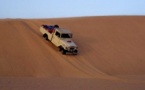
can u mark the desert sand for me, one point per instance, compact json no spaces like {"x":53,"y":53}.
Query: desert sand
{"x":111,"y":54}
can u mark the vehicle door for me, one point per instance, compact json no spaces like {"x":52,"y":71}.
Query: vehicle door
{"x":56,"y":38}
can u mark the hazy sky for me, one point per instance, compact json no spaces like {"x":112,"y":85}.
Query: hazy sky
{"x":69,"y":8}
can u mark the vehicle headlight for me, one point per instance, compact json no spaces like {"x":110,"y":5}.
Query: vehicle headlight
{"x":76,"y":47}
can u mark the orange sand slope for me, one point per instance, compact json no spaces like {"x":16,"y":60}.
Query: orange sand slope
{"x":111,"y":55}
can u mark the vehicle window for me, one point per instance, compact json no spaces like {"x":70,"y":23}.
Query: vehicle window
{"x":66,"y":36}
{"x":57,"y":34}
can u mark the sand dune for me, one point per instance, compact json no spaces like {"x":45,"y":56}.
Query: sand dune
{"x":111,"y":55}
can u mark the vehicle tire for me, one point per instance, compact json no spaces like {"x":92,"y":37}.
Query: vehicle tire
{"x":56,"y":26}
{"x":60,"y":48}
{"x":64,"y":52}
{"x":45,"y":36}
{"x":76,"y":51}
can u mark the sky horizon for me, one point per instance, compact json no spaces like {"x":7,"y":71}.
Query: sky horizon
{"x":70,"y":8}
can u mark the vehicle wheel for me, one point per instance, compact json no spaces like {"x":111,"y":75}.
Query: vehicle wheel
{"x":64,"y":52}
{"x":76,"y":52}
{"x":56,"y":26}
{"x":60,"y":48}
{"x":45,"y":36}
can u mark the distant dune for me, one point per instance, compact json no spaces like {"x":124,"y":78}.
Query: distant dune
{"x":111,"y":55}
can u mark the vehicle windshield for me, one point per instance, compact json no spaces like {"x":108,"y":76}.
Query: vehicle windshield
{"x":66,"y":36}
